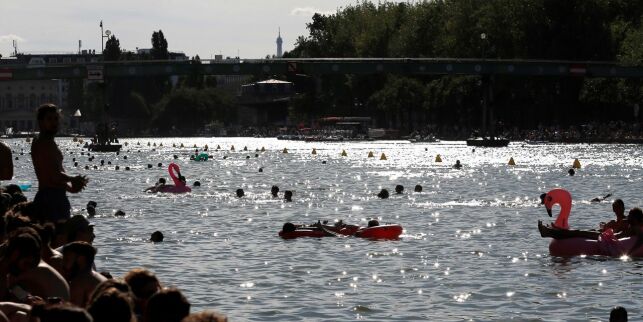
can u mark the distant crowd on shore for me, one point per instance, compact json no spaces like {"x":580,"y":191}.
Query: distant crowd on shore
{"x":47,"y":268}
{"x":595,"y":132}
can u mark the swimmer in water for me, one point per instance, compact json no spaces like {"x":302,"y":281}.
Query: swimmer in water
{"x":457,"y":165}
{"x":274,"y":191}
{"x":288,"y":196}
{"x":383,"y":194}
{"x":418,"y":188}
{"x":240,"y":193}
{"x":399,"y":189}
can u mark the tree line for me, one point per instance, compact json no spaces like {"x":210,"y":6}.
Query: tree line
{"x":578,"y":30}
{"x":155,"y":105}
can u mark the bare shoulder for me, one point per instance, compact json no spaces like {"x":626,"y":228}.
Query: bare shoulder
{"x":4,"y":147}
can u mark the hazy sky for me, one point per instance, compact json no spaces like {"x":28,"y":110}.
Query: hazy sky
{"x":204,"y":27}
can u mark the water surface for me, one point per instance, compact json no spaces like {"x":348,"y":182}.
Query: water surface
{"x":470,"y":251}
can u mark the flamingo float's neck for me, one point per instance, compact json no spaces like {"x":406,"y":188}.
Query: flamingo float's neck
{"x":562,"y":221}
{"x":564,"y":199}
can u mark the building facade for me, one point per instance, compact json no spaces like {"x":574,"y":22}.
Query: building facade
{"x":19,"y":101}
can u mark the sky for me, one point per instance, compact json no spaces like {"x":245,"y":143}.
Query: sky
{"x":203,"y":27}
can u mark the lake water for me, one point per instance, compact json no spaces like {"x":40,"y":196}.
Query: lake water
{"x":470,"y":250}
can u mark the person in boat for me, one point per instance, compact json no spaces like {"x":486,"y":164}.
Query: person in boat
{"x":620,"y":226}
{"x":158,"y":186}
{"x":635,"y":218}
{"x":373,"y":223}
{"x":457,"y":165}
{"x":53,"y":183}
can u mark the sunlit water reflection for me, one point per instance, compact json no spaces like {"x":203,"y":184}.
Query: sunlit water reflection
{"x":470,"y":249}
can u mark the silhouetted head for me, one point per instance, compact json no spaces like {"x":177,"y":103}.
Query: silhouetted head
{"x":197,"y":183}
{"x":635,"y":219}
{"x":418,"y":188}
{"x":618,"y":314}
{"x":383,"y":194}
{"x":274,"y":191}
{"x":618,"y":206}
{"x":156,"y":237}
{"x":571,"y":172}
{"x":288,"y":195}
{"x":48,"y":119}
{"x":240,"y":193}
{"x":167,"y":305}
{"x":162,"y":181}
{"x":399,"y":189}
{"x":288,"y":227}
{"x":373,"y":223}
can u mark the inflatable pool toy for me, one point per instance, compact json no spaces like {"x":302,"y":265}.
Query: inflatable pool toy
{"x":201,"y":157}
{"x":178,"y":186}
{"x":377,"y":232}
{"x":380,"y":232}
{"x":24,"y":186}
{"x":606,"y":245}
{"x":348,"y":230}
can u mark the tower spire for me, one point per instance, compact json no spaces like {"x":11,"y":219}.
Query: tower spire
{"x":279,"y":44}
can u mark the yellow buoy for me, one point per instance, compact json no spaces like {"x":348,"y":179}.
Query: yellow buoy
{"x":285,"y":150}
{"x":80,"y":141}
{"x":174,"y":145}
{"x":438,"y":158}
{"x":232,"y":148}
{"x":75,"y":139}
{"x":154,"y":143}
{"x":138,"y":143}
{"x":511,"y":161}
{"x":383,"y":157}
{"x":126,"y":143}
{"x":370,"y":154}
{"x":206,"y":147}
{"x":182,"y":145}
{"x":576,"y":164}
{"x":195,"y":146}
{"x":160,"y":144}
{"x":148,"y":143}
{"x":314,"y":151}
{"x":245,"y":148}
{"x":344,"y":153}
{"x":218,"y":147}
{"x":263,"y":149}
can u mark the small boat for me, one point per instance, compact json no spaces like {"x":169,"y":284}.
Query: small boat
{"x":104,"y":147}
{"x":491,"y":142}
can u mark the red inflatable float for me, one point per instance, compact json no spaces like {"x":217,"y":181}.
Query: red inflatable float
{"x":606,"y":245}
{"x":377,"y":232}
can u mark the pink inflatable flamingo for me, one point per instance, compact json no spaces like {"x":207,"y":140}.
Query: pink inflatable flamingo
{"x":179,"y":186}
{"x":606,"y":245}
{"x":563,"y":198}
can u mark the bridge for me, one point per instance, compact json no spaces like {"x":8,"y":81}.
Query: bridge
{"x":320,"y":66}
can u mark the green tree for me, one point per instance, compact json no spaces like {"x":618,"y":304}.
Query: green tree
{"x":112,"y":49}
{"x":159,"y":46}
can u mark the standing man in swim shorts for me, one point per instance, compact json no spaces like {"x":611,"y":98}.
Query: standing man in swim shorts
{"x":6,"y":162}
{"x":51,"y":199}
